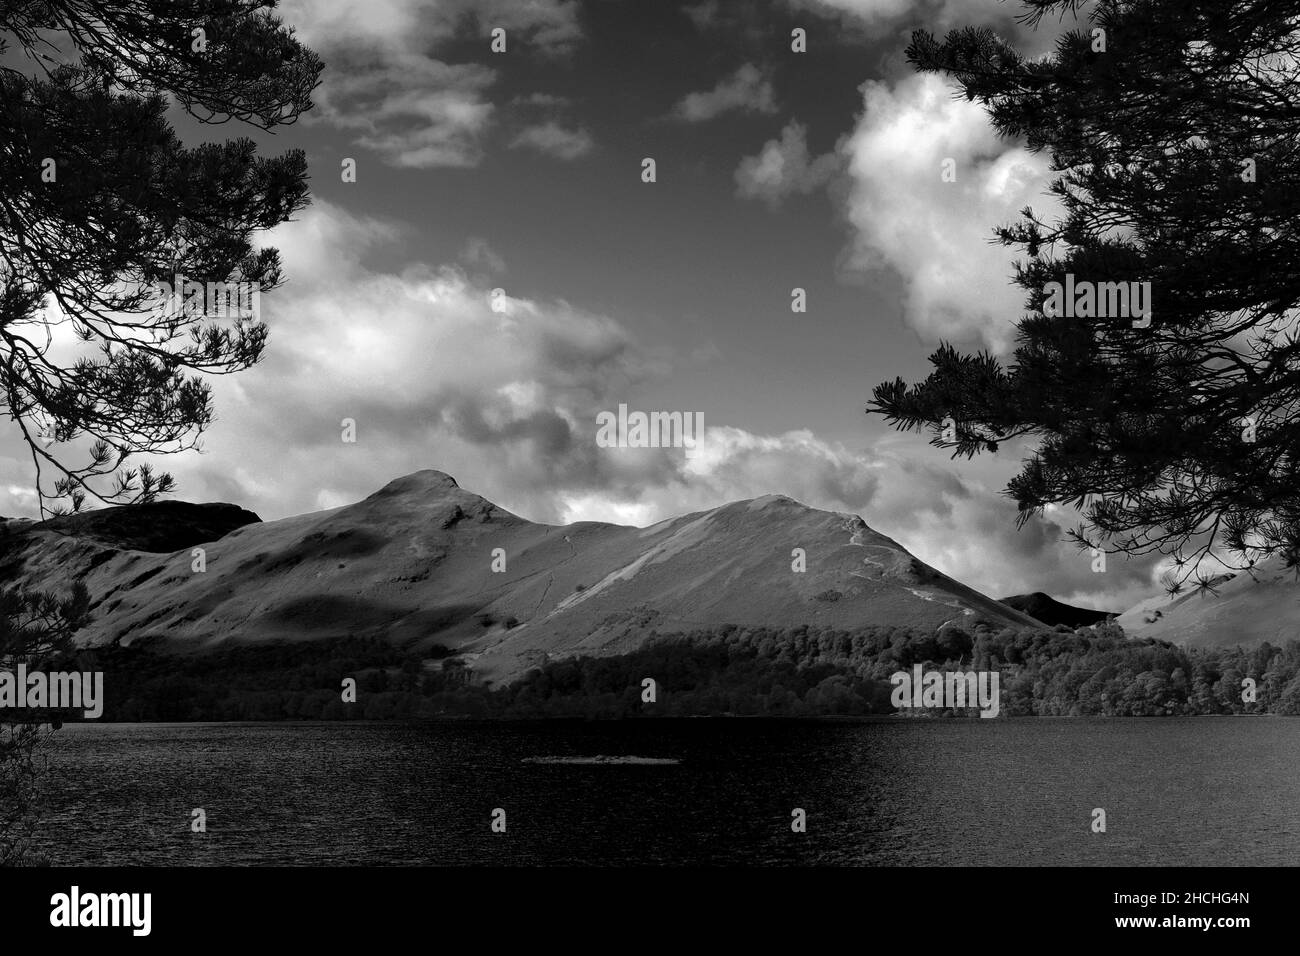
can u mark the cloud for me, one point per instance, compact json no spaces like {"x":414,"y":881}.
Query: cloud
{"x":745,"y":90}
{"x":953,"y":518}
{"x":550,"y":27}
{"x":553,"y":139}
{"x":936,"y":234}
{"x":871,"y":10}
{"x":415,"y":112}
{"x":546,"y":133}
{"x":732,"y":464}
{"x":783,"y":167}
{"x":381,"y":23}
{"x":385,"y":84}
{"x":935,"y":15}
{"x":703,"y":15}
{"x":434,"y":372}
{"x":543,"y":101}
{"x":478,"y":254}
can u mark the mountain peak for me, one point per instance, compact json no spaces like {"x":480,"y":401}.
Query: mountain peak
{"x":427,"y":481}
{"x":769,"y":501}
{"x":1050,"y":611}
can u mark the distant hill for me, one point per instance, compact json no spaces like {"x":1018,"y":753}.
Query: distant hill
{"x":1243,"y":609}
{"x":162,"y":526}
{"x":414,"y":564}
{"x":1052,"y":612}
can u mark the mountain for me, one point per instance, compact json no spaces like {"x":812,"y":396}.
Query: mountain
{"x":1052,"y":612}
{"x":160,"y":526}
{"x":413,"y":563}
{"x":1243,"y":608}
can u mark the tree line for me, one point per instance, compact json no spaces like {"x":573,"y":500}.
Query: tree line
{"x":749,"y":671}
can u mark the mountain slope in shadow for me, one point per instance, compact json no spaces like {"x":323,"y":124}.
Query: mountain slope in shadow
{"x":1050,"y":611}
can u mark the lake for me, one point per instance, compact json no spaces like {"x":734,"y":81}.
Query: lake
{"x":886,"y":792}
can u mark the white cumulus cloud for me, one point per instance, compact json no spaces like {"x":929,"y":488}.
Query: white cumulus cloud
{"x":386,"y":84}
{"x":784,"y":167}
{"x":745,"y":91}
{"x":936,"y":234}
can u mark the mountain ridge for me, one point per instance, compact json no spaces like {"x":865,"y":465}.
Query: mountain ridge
{"x":425,"y":563}
{"x":1052,"y":612}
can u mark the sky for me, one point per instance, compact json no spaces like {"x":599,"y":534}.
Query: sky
{"x":522,"y":171}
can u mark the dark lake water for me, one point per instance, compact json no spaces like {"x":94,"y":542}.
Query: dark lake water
{"x":877,"y":792}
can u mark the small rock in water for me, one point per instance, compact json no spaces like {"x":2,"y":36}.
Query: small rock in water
{"x":602,"y":759}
